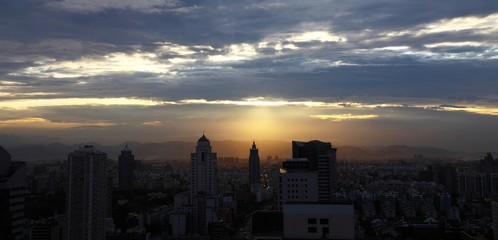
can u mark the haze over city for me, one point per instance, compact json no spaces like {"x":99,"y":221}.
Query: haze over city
{"x":365,"y":73}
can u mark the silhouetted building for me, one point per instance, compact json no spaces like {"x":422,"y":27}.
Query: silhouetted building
{"x":446,"y":176}
{"x":203,"y":187}
{"x":494,"y":218}
{"x":267,"y":225}
{"x":254,"y":175}
{"x":488,"y":164}
{"x":12,"y":196}
{"x":472,"y":185}
{"x":203,"y":169}
{"x":322,"y":158}
{"x":86,"y":194}
{"x":48,"y":229}
{"x":126,"y":167}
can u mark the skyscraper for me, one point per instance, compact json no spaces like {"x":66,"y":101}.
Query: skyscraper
{"x":322,"y":158}
{"x":126,"y":167}
{"x":203,"y":187}
{"x":254,"y":175}
{"x":203,"y":169}
{"x":86,"y":194}
{"x":12,"y":196}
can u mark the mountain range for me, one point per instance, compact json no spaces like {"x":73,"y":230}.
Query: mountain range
{"x":176,"y":150}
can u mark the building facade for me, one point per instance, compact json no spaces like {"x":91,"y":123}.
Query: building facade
{"x":297,"y":183}
{"x":254,"y":170}
{"x":318,"y":221}
{"x":126,"y":167}
{"x":86,"y":194}
{"x":203,"y":187}
{"x":13,"y":191}
{"x":322,"y":158}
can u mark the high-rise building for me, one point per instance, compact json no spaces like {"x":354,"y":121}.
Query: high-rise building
{"x":86,"y":194}
{"x":322,"y":158}
{"x":12,"y":196}
{"x":494,"y":218}
{"x":203,"y":169}
{"x":297,"y":184}
{"x":203,"y":186}
{"x":126,"y":167}
{"x":254,"y":175}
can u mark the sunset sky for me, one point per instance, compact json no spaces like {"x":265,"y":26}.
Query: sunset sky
{"x":356,"y":72}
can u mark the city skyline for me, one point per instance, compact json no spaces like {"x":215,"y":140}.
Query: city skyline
{"x":347,"y":72}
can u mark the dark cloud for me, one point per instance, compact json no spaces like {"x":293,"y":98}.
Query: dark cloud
{"x":386,"y":51}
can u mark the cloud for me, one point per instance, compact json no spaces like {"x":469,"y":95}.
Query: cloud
{"x":93,"y":6}
{"x":235,"y":52}
{"x":320,"y":36}
{"x":153,"y":123}
{"x":93,"y":66}
{"x":24,"y":104}
{"x":35,"y":122}
{"x":344,"y":117}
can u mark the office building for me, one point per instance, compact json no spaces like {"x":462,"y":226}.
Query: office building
{"x":86,"y":194}
{"x":203,"y":187}
{"x":297,"y":183}
{"x":12,"y":196}
{"x":126,"y":166}
{"x":322,"y":158}
{"x":254,"y":174}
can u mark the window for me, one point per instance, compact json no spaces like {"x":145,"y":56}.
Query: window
{"x":311,"y":220}
{"x":325,"y":230}
{"x":324,"y":221}
{"x":312,"y":229}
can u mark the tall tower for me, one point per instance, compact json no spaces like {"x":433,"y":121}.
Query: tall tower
{"x":203,"y":187}
{"x":12,"y":196}
{"x":203,"y":169}
{"x":86,"y":194}
{"x":254,"y":176}
{"x":322,"y":158}
{"x":126,"y":167}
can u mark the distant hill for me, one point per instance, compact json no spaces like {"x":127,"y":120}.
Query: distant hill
{"x":181,"y":151}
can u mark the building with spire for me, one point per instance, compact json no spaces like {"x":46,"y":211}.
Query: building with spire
{"x":254,"y":171}
{"x":203,"y":169}
{"x":86,"y":194}
{"x":203,"y":187}
{"x":127,"y":165}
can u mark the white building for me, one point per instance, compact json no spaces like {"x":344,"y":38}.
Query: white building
{"x":297,"y":182}
{"x":86,"y":194}
{"x":202,"y":203}
{"x":203,"y":169}
{"x":318,"y":221}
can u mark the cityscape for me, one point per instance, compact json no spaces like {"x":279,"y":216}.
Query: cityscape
{"x":312,"y":195}
{"x":248,"y":119}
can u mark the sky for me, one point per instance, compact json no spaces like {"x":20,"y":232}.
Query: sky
{"x":352,"y":72}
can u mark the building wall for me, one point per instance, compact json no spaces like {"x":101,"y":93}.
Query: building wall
{"x":13,"y":191}
{"x":87,"y":194}
{"x":126,"y":166}
{"x":298,"y":187}
{"x":314,"y":221}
